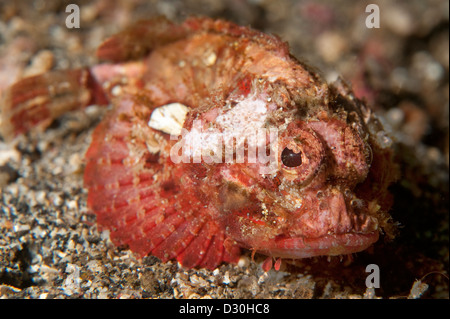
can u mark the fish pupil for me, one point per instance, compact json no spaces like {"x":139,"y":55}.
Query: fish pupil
{"x":290,"y":158}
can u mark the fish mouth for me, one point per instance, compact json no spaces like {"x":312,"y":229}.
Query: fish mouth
{"x":336,"y":228}
{"x":328,"y":245}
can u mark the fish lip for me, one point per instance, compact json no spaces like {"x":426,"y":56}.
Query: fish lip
{"x":327,"y":245}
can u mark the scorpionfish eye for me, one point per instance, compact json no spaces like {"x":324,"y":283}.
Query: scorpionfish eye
{"x":291,"y":158}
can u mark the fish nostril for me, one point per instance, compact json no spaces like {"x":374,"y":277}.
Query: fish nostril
{"x":356,"y":203}
{"x":348,"y":193}
{"x":320,"y":195}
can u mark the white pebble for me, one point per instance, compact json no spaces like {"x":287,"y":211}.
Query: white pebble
{"x":169,"y":118}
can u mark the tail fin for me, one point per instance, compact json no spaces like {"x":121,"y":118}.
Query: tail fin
{"x":33,"y":102}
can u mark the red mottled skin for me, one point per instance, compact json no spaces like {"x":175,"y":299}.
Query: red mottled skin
{"x":335,"y":202}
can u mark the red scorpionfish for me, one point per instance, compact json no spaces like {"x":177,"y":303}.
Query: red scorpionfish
{"x":176,"y":170}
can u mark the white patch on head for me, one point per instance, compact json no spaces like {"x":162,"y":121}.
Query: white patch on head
{"x":237,"y":134}
{"x":169,"y":118}
{"x":248,"y":115}
{"x":240,"y":122}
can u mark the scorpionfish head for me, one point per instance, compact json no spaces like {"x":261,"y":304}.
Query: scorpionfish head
{"x":310,"y":198}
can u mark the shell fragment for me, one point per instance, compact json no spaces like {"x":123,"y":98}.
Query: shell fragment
{"x":169,"y":118}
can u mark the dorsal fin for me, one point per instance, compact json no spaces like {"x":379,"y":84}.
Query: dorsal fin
{"x":139,"y":39}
